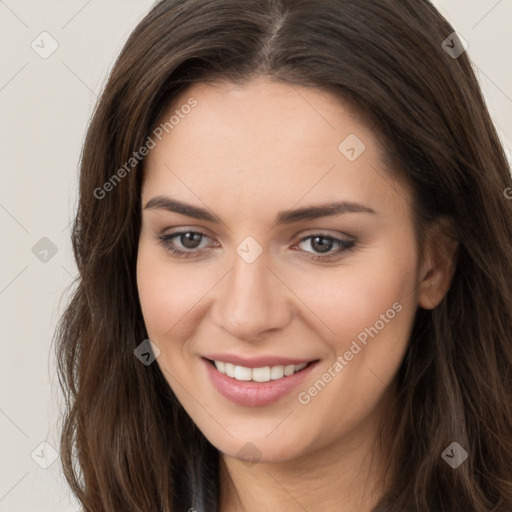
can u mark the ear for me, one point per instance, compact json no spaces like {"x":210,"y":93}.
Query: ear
{"x":438,"y":263}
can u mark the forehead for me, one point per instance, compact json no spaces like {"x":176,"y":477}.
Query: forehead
{"x":266,"y":141}
{"x":263,"y":116}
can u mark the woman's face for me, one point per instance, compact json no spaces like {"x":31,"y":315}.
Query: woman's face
{"x":296,"y":245}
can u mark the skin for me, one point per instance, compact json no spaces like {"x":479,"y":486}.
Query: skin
{"x":245,"y":153}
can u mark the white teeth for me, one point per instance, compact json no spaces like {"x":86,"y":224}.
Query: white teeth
{"x":276,"y":372}
{"x":242,"y":373}
{"x":261,"y":374}
{"x":288,"y":370}
{"x":230,"y":370}
{"x":264,"y":374}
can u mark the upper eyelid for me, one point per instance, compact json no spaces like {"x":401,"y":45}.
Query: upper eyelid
{"x":302,"y":238}
{"x":308,"y":233}
{"x":176,"y":234}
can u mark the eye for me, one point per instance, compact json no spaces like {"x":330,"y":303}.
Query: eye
{"x":184,"y":243}
{"x":325,"y":246}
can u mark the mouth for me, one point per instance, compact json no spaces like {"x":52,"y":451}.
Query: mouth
{"x":255,"y":385}
{"x":261,"y":374}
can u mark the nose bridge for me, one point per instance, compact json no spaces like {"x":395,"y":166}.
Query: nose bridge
{"x":251,"y":299}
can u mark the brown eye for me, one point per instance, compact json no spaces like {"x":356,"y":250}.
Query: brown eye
{"x":190,"y":240}
{"x":325,"y":246}
{"x":184,"y":243}
{"x":322,"y":244}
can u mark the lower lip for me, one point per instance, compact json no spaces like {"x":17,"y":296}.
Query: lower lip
{"x":255,"y":394}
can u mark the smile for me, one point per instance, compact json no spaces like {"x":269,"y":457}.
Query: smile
{"x":256,"y":386}
{"x":263,"y":374}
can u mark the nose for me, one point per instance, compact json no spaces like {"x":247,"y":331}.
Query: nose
{"x":251,"y":301}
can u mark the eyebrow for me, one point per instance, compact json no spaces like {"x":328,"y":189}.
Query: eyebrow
{"x":283,"y":217}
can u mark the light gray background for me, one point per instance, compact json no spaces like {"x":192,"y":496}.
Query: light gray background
{"x":45,"y":105}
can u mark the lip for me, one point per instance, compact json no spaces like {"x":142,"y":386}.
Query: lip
{"x":256,"y":362}
{"x":255,"y":394}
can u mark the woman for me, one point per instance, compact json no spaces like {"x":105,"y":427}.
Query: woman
{"x":295,"y":257}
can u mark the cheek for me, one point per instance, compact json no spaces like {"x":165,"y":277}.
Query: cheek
{"x":355,"y":297}
{"x":370,"y":307}
{"x":169,"y":295}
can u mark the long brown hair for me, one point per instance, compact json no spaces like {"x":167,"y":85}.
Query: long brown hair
{"x":127,"y":444}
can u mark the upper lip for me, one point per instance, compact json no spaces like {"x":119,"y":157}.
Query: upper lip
{"x":256,"y":362}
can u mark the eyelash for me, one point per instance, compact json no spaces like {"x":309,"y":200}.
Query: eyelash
{"x":345,"y":245}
